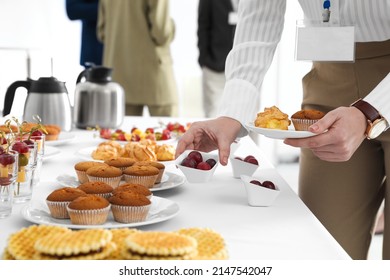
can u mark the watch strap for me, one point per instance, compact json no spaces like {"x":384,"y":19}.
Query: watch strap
{"x":370,"y":112}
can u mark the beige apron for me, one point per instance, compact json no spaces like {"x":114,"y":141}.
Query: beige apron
{"x":346,"y":196}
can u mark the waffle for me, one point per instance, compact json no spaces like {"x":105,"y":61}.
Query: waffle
{"x":89,"y":244}
{"x":118,"y":237}
{"x":21,"y":243}
{"x":211,"y":245}
{"x":155,"y":245}
{"x":7,"y":256}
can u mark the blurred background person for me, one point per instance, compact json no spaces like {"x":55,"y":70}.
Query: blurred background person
{"x":216,"y":25}
{"x":137,"y":35}
{"x":86,"y":11}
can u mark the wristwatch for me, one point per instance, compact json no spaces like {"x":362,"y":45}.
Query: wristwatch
{"x":376,"y":123}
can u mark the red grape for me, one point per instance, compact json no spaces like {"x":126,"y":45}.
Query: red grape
{"x":211,"y":162}
{"x":269,"y":185}
{"x":255,"y":182}
{"x":203,"y":166}
{"x":20,"y":147}
{"x":196,"y":156}
{"x":189,"y":162}
{"x":252,"y":161}
{"x":6,"y":159}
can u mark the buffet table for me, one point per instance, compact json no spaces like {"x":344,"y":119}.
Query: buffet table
{"x":284,"y":230}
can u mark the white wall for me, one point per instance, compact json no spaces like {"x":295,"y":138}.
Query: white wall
{"x":43,"y":25}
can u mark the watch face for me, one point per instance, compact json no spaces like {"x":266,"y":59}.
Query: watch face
{"x":377,"y":128}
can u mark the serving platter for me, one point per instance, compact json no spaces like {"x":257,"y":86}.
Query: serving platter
{"x":86,"y":154}
{"x":162,"y":209}
{"x":63,"y":138}
{"x":168,"y":181}
{"x":278,"y":133}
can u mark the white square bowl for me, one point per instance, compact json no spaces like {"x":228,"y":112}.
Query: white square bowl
{"x":258,"y":195}
{"x":196,"y":175}
{"x":240,"y":167}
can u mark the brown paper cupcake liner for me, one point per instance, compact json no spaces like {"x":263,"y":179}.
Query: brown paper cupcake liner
{"x":82,"y":176}
{"x":302,"y":124}
{"x":58,"y":209}
{"x":147,"y":181}
{"x":89,"y":217}
{"x":130,"y":214}
{"x":112,"y":181}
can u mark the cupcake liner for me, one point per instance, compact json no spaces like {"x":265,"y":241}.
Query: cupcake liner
{"x":130,"y":214}
{"x":147,"y":181}
{"x":302,"y":124}
{"x":89,"y":217}
{"x":104,"y":195}
{"x":159,"y":176}
{"x":58,"y":209}
{"x":112,"y":181}
{"x":82,"y":176}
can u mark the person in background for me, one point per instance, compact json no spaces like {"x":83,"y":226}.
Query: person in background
{"x":137,"y":35}
{"x":343,"y":168}
{"x":86,"y":11}
{"x":216,"y":24}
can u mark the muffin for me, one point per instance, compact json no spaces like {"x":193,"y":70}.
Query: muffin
{"x":129,"y":207}
{"x":97,"y":188}
{"x":81,"y":168}
{"x":122,"y":163}
{"x":158,"y":165}
{"x":60,"y":198}
{"x":303,"y":119}
{"x":89,"y":210}
{"x":53,"y":131}
{"x":107,"y":174}
{"x":141,"y":174}
{"x":130,"y":187}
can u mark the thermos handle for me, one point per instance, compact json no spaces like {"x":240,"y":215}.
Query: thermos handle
{"x":10,"y":94}
{"x":83,"y":74}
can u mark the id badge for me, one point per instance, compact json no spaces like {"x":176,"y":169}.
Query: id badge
{"x":325,"y":43}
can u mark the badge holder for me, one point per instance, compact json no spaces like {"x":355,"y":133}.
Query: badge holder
{"x":324,"y":41}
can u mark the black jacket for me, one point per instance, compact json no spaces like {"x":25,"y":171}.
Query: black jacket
{"x":86,"y":11}
{"x":215,"y":34}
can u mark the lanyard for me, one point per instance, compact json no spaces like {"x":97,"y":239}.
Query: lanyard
{"x":326,"y":11}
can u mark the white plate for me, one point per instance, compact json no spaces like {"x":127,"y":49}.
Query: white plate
{"x":169,"y":181}
{"x":278,"y":133}
{"x":159,"y":142}
{"x":86,"y":154}
{"x":63,"y":138}
{"x":50,"y":152}
{"x":162,"y":209}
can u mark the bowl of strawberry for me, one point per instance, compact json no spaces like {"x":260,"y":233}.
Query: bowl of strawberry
{"x":198,"y":167}
{"x":260,"y":192}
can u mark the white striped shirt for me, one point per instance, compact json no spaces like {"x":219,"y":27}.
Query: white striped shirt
{"x":258,"y":32}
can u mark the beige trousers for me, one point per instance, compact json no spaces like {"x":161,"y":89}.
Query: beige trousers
{"x":346,"y":196}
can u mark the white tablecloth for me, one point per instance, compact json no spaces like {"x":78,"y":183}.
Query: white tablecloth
{"x":285,"y":230}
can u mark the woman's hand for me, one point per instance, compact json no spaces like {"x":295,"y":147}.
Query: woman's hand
{"x":340,"y":133}
{"x":209,"y":135}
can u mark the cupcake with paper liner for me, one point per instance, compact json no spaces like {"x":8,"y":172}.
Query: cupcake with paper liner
{"x":58,"y":200}
{"x":81,"y":169}
{"x":130,"y":187}
{"x":158,"y":165}
{"x":129,"y":207}
{"x":89,"y":210}
{"x":97,"y":188}
{"x":141,"y":174}
{"x":303,"y":119}
{"x":122,"y":162}
{"x":107,"y":174}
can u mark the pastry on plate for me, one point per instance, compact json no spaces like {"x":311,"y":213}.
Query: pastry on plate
{"x":272,"y":118}
{"x":303,"y":119}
